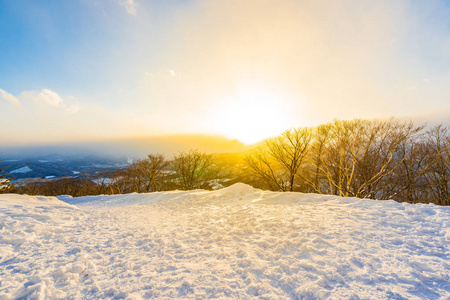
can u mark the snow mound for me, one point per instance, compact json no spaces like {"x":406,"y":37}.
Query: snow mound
{"x":238,"y":193}
{"x":238,"y":243}
{"x":19,"y":201}
{"x":125,"y":199}
{"x":237,"y":189}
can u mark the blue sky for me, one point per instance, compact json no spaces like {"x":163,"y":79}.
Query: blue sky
{"x":87,"y":70}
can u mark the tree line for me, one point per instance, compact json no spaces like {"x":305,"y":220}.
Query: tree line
{"x":358,"y":158}
{"x":186,"y":171}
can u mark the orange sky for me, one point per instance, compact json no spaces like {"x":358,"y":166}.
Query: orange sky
{"x":243,"y":69}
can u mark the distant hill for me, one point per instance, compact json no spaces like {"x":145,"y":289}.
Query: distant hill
{"x":56,"y":165}
{"x":137,"y":147}
{"x":73,"y":159}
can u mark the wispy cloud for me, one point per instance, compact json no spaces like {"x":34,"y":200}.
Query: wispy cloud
{"x":165,"y":74}
{"x":73,"y":108}
{"x":130,"y":6}
{"x":50,"y":98}
{"x":8,"y":97}
{"x":45,"y":96}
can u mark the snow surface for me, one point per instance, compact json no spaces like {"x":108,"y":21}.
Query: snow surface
{"x":237,"y":242}
{"x":23,"y":170}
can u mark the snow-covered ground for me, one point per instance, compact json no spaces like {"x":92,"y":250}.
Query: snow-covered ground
{"x":25,"y":169}
{"x":237,"y":242}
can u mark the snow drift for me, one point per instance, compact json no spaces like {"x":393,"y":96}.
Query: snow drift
{"x":237,"y":242}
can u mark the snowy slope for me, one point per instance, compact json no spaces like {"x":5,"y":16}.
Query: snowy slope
{"x":237,"y":242}
{"x":25,"y":169}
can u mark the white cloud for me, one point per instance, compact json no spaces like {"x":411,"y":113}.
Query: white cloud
{"x":45,"y":96}
{"x":8,"y":97}
{"x":130,"y":6}
{"x":51,"y":98}
{"x":73,"y":108}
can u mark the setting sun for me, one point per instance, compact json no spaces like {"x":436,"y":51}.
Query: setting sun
{"x":252,"y":115}
{"x":246,"y":70}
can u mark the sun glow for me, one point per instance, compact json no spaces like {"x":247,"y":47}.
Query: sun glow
{"x":251,"y":116}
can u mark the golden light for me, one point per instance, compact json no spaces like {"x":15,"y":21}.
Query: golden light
{"x":251,"y":116}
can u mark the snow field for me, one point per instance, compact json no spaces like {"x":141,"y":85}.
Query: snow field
{"x":237,"y":242}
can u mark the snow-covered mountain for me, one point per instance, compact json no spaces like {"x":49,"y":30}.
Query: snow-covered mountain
{"x":238,"y":242}
{"x":55,"y":165}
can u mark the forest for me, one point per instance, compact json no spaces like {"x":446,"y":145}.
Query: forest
{"x":376,"y":159}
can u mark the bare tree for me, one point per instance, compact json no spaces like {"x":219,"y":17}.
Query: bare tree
{"x":120,"y":182}
{"x":102,"y":181}
{"x":382,"y":156}
{"x":278,"y":162}
{"x":58,"y":186}
{"x":265,"y":169}
{"x":342,"y":147}
{"x":408,"y":183}
{"x":151,"y":172}
{"x":312,"y":177}
{"x":193,"y":169}
{"x":438,"y":175}
{"x":361,"y":156}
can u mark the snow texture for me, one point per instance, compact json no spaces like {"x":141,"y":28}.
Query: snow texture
{"x":237,"y":242}
{"x":22,"y":170}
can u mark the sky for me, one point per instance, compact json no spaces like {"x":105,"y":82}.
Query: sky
{"x":84,"y":70}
